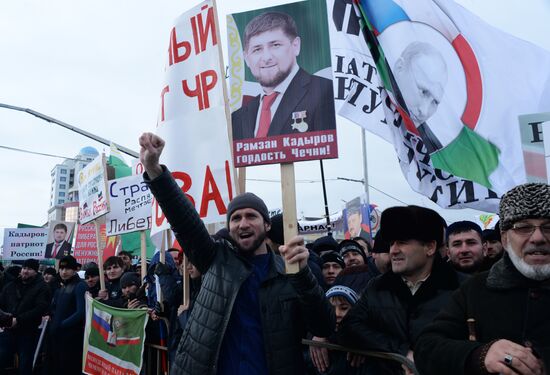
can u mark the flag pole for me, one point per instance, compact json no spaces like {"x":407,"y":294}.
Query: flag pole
{"x":366,"y":178}
{"x":99,"y":256}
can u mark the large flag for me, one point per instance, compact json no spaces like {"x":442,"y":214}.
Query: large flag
{"x":453,"y":90}
{"x":113,"y":339}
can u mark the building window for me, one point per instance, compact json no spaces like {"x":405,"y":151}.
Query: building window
{"x":62,"y":179}
{"x":62,"y":186}
{"x":63,"y":171}
{"x":61,"y":194}
{"x":60,"y":201}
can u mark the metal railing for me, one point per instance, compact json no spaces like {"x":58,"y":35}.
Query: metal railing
{"x":367,"y":353}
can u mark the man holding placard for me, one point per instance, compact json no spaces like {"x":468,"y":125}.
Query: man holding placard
{"x":249,"y":317}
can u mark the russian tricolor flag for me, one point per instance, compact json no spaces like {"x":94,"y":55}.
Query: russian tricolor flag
{"x":101,"y":321}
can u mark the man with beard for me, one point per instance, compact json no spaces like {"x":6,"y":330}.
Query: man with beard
{"x":497,"y":322}
{"x":466,"y":247}
{"x":292,"y":101}
{"x":249,"y":316}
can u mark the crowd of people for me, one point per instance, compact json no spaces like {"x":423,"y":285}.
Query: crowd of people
{"x":449,"y":299}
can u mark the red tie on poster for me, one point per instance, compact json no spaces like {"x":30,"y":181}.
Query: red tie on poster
{"x":55,"y":250}
{"x":265,"y":116}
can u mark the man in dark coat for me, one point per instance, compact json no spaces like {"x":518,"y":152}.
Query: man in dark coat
{"x":249,"y":316}
{"x":26,"y":298}
{"x":498,"y":321}
{"x":397,"y":305}
{"x":66,"y":331}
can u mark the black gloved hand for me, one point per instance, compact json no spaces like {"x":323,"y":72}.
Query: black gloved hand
{"x":5,"y":319}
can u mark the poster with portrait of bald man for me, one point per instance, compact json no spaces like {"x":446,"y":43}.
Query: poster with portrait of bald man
{"x":281,"y":91}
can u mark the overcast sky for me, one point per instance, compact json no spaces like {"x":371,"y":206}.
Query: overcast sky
{"x":99,"y":65}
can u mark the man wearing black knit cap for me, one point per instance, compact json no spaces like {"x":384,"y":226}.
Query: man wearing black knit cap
{"x":249,"y":316}
{"x":498,"y":321}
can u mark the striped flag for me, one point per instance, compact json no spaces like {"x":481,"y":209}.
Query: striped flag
{"x":113,"y":339}
{"x":453,"y":88}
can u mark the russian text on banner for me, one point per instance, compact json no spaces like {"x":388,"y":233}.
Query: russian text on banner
{"x":192,"y":117}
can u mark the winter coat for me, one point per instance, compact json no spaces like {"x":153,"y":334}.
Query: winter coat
{"x":26,"y":302}
{"x":389,"y":318}
{"x":504,"y":305}
{"x":66,"y":329}
{"x":289,"y":304}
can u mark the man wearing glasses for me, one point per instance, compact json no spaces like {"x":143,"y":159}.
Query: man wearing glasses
{"x":499,"y":321}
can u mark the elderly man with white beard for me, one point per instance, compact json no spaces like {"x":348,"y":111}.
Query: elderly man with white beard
{"x":499,"y":321}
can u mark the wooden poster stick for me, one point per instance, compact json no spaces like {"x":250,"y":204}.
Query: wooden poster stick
{"x":186,"y":281}
{"x":99,"y":256}
{"x":239,"y":188}
{"x":290,"y":219}
{"x":143,"y":255}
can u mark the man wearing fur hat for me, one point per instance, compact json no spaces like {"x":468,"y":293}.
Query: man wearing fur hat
{"x":23,"y":301}
{"x":498,"y":321}
{"x":397,"y":305}
{"x":249,"y":316}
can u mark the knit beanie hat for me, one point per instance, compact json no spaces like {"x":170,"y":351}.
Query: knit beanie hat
{"x":50,"y":271}
{"x":68,"y":262}
{"x":128,"y":279}
{"x":248,"y":200}
{"x":531,"y":200}
{"x":31,"y":263}
{"x":343,"y":291}
{"x":346,"y":246}
{"x":332,"y":256}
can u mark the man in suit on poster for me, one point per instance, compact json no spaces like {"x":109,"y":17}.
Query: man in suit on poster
{"x":292,"y":101}
{"x":59,"y":247}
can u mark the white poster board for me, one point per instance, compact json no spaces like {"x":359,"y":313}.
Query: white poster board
{"x":92,"y":193}
{"x":130,"y":202}
{"x":24,"y":243}
{"x":193,"y":118}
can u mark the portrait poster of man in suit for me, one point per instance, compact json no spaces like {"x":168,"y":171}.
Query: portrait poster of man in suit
{"x":59,"y":238}
{"x":282,"y":93}
{"x":356,"y":223}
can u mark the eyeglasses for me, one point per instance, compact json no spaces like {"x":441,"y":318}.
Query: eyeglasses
{"x":528,"y":229}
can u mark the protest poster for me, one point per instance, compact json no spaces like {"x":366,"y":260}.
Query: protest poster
{"x":59,"y":239}
{"x":546,"y":134}
{"x":113,"y":339}
{"x":356,"y":223}
{"x":193,"y":119}
{"x":86,"y":244}
{"x":532,"y":145}
{"x":24,"y":243}
{"x":281,"y":94}
{"x":457,"y":143}
{"x":486,"y":221}
{"x":130,"y":205}
{"x":92,"y":193}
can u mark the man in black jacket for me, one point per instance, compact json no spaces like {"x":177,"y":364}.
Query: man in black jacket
{"x":249,"y":316}
{"x":27,"y":298}
{"x":498,"y":321}
{"x":396,"y":306}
